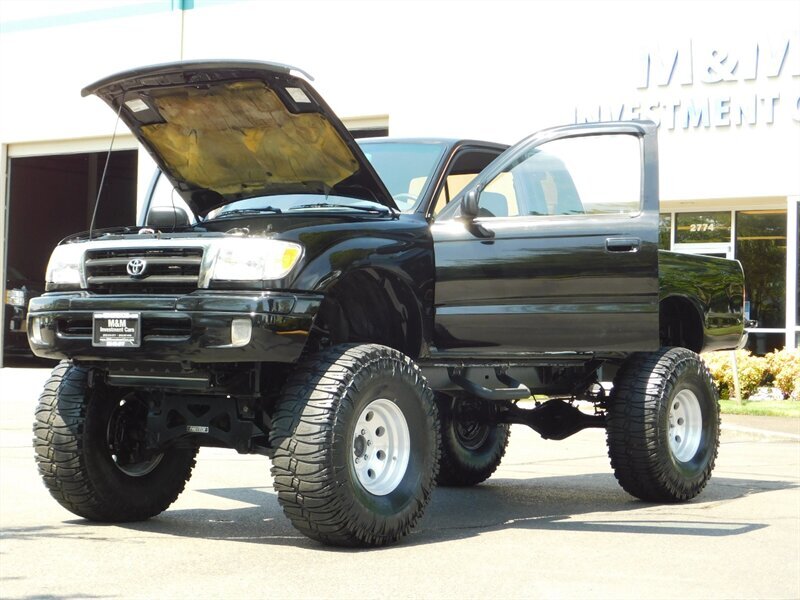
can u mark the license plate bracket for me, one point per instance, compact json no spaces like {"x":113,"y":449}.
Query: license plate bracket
{"x":117,"y":329}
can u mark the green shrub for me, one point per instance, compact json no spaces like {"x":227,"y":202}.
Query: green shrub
{"x":752,"y":372}
{"x":784,"y":368}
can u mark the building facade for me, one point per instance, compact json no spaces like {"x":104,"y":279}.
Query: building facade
{"x":721,"y":80}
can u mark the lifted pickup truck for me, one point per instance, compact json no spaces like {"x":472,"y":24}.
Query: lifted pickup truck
{"x":276,"y":300}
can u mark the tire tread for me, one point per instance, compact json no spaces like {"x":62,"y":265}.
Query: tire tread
{"x":635,"y":446}
{"x":61,"y":455}
{"x":458,"y":471}
{"x":304,"y":427}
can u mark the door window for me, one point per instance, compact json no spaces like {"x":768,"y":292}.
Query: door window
{"x":761,"y":248}
{"x":761,"y":243}
{"x":466,"y":166}
{"x":592,"y":175}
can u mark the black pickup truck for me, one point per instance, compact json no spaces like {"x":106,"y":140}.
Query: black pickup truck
{"x":369,"y":316}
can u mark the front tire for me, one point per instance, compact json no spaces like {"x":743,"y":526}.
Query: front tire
{"x":472,"y":447}
{"x":356,"y":439}
{"x":88,"y":451}
{"x":663,"y":425}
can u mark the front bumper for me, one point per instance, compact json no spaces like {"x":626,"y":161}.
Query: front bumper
{"x":194,"y":328}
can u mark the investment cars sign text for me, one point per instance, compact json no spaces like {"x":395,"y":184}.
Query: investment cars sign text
{"x":694,"y":85}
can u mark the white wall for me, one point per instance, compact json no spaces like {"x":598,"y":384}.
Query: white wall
{"x":495,"y":70}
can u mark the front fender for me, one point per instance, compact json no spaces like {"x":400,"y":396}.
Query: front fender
{"x":399,"y":251}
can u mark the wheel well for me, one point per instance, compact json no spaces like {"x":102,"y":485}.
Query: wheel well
{"x":370,"y":306}
{"x":680,"y":324}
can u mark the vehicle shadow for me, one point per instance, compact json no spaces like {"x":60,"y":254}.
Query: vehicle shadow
{"x":544,"y":503}
{"x":560,"y":503}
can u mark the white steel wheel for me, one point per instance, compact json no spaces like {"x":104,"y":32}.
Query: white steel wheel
{"x":685,"y":425}
{"x":662,"y":425}
{"x":356,"y":438}
{"x":381,"y":447}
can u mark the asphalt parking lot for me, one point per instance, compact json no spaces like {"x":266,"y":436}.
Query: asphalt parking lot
{"x":552,"y":523}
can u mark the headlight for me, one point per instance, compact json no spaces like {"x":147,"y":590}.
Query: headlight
{"x":65,"y":265}
{"x":253,"y":259}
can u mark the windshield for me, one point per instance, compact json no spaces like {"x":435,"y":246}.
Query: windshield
{"x":296,"y":203}
{"x":405,"y":167}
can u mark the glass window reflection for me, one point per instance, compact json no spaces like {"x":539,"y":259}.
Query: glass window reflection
{"x":703,"y":227}
{"x":664,"y":230}
{"x":761,"y":248}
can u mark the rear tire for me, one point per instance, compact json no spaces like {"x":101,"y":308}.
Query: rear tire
{"x":86,"y":447}
{"x":663,"y":425}
{"x":356,"y":439}
{"x":472,"y":448}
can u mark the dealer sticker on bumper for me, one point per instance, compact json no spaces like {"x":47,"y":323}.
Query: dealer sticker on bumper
{"x":117,"y":330}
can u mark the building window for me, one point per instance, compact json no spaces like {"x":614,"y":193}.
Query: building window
{"x":761,"y":248}
{"x":797,"y":284}
{"x":664,"y":231}
{"x":370,"y":133}
{"x":764,"y":342}
{"x":705,"y":227}
{"x":367,"y":126}
{"x":759,"y":241}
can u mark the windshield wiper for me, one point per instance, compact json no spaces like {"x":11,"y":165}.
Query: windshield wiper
{"x":373,"y":209}
{"x":248,"y":211}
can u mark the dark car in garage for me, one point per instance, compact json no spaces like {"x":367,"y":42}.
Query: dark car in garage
{"x":19,"y":290}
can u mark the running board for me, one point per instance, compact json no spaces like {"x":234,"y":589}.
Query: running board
{"x":515,"y":390}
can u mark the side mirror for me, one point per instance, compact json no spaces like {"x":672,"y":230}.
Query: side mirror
{"x":469,"y":207}
{"x":469,"y":212}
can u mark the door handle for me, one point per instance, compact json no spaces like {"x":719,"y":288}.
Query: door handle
{"x":623,"y":244}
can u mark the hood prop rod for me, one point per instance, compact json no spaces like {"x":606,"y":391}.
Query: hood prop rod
{"x":105,"y":168}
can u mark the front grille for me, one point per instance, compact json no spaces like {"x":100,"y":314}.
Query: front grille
{"x":177,"y":327}
{"x":79,"y":327}
{"x":167,"y":271}
{"x":152,"y":327}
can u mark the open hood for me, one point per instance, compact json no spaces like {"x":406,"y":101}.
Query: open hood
{"x":226,"y":130}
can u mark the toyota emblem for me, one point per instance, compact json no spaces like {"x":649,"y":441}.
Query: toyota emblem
{"x":136,"y":267}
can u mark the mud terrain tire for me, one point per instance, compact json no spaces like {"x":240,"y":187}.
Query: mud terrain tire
{"x":663,"y":425}
{"x":73,"y":435}
{"x":356,"y":438}
{"x":471,"y":449}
